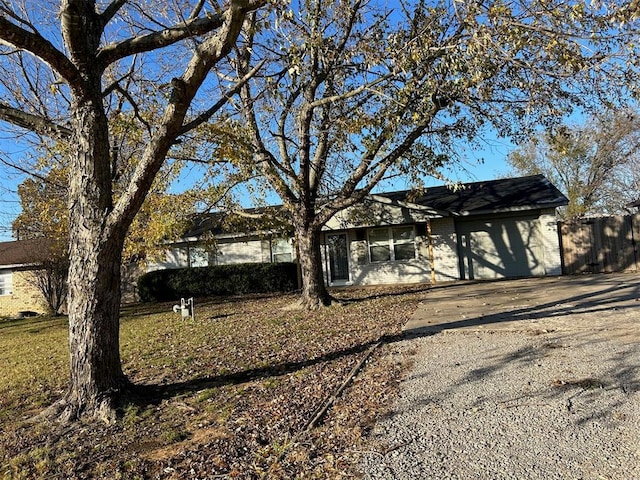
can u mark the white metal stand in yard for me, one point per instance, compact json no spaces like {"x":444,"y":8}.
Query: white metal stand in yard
{"x":186,"y":309}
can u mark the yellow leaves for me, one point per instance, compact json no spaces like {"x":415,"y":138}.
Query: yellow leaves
{"x":45,"y":211}
{"x":578,"y":11}
{"x":626,"y":13}
{"x":44,"y":207}
{"x":162,"y":216}
{"x":222,"y":141}
{"x":499,"y":11}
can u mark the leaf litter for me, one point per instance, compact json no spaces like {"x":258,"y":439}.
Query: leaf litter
{"x":231,"y":394}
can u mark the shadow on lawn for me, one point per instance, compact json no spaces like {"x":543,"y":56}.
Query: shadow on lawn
{"x":603,"y":296}
{"x":377,"y":292}
{"x":147,"y":308}
{"x":35,"y":324}
{"x":153,"y":394}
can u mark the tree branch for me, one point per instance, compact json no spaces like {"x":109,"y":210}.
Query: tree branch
{"x":16,"y":37}
{"x":11,"y":14}
{"x":136,"y":109}
{"x":282,"y":138}
{"x":268,"y":163}
{"x":206,"y":115}
{"x":111,"y":10}
{"x":31,"y":173}
{"x":35,"y":123}
{"x":197,"y":9}
{"x":319,"y":160}
{"x":351,"y":93}
{"x":184,"y":90}
{"x":349,"y":196}
{"x":145,"y":43}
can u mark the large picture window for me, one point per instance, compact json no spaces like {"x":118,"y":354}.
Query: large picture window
{"x":379,"y":249}
{"x":6,"y":282}
{"x":392,"y":244}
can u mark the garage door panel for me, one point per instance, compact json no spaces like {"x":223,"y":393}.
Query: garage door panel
{"x":501,"y":248}
{"x":486,"y":259}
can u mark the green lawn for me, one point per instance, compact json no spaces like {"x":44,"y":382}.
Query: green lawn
{"x":229,"y":394}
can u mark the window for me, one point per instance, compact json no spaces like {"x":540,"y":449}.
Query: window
{"x":6,"y":282}
{"x":392,"y":244}
{"x":281,"y":250}
{"x":198,"y":257}
{"x":404,"y":244}
{"x":379,"y":245}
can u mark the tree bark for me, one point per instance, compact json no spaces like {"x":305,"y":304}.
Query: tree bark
{"x":97,"y":224}
{"x":314,"y":292}
{"x":95,"y":252}
{"x":94,"y":329}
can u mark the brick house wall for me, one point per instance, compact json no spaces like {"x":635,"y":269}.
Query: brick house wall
{"x":25,"y":296}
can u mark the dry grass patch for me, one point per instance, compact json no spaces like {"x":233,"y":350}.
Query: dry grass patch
{"x":229,"y":394}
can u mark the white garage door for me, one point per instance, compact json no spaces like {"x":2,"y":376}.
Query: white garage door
{"x":500,"y":248}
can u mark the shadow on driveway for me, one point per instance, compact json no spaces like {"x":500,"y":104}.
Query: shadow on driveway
{"x":610,"y":301}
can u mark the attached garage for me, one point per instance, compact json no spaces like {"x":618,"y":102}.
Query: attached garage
{"x":500,"y":247}
{"x":481,"y":230}
{"x":488,"y":230}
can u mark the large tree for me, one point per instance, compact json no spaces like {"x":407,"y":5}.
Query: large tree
{"x":596,"y":163}
{"x":65,"y":65}
{"x":357,"y":92}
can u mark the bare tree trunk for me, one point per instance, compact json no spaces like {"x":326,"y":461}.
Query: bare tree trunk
{"x":51,"y":281}
{"x":314,"y":293}
{"x":94,"y":329}
{"x":94,"y":273}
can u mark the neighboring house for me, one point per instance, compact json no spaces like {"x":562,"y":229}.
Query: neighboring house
{"x":18,"y":291}
{"x":483,"y":230}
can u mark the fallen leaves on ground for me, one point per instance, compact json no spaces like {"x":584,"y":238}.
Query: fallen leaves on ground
{"x":229,"y":395}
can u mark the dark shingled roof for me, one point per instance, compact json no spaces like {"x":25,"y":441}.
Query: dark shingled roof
{"x":494,"y":196}
{"x":24,"y":252}
{"x":220,"y":222}
{"x":504,"y":195}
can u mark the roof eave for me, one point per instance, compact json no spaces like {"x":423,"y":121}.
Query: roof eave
{"x":435,"y":213}
{"x":539,"y":206}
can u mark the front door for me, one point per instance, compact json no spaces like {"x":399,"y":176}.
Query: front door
{"x":338,"y":257}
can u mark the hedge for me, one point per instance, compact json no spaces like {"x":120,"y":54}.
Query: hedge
{"x":173,"y":284}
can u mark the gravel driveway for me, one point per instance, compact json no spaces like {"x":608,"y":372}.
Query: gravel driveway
{"x":527,"y":379}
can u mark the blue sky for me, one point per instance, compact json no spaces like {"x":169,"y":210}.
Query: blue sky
{"x":9,"y":204}
{"x":472,"y":169}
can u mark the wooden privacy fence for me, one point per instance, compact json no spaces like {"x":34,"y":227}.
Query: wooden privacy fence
{"x":600,"y":244}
